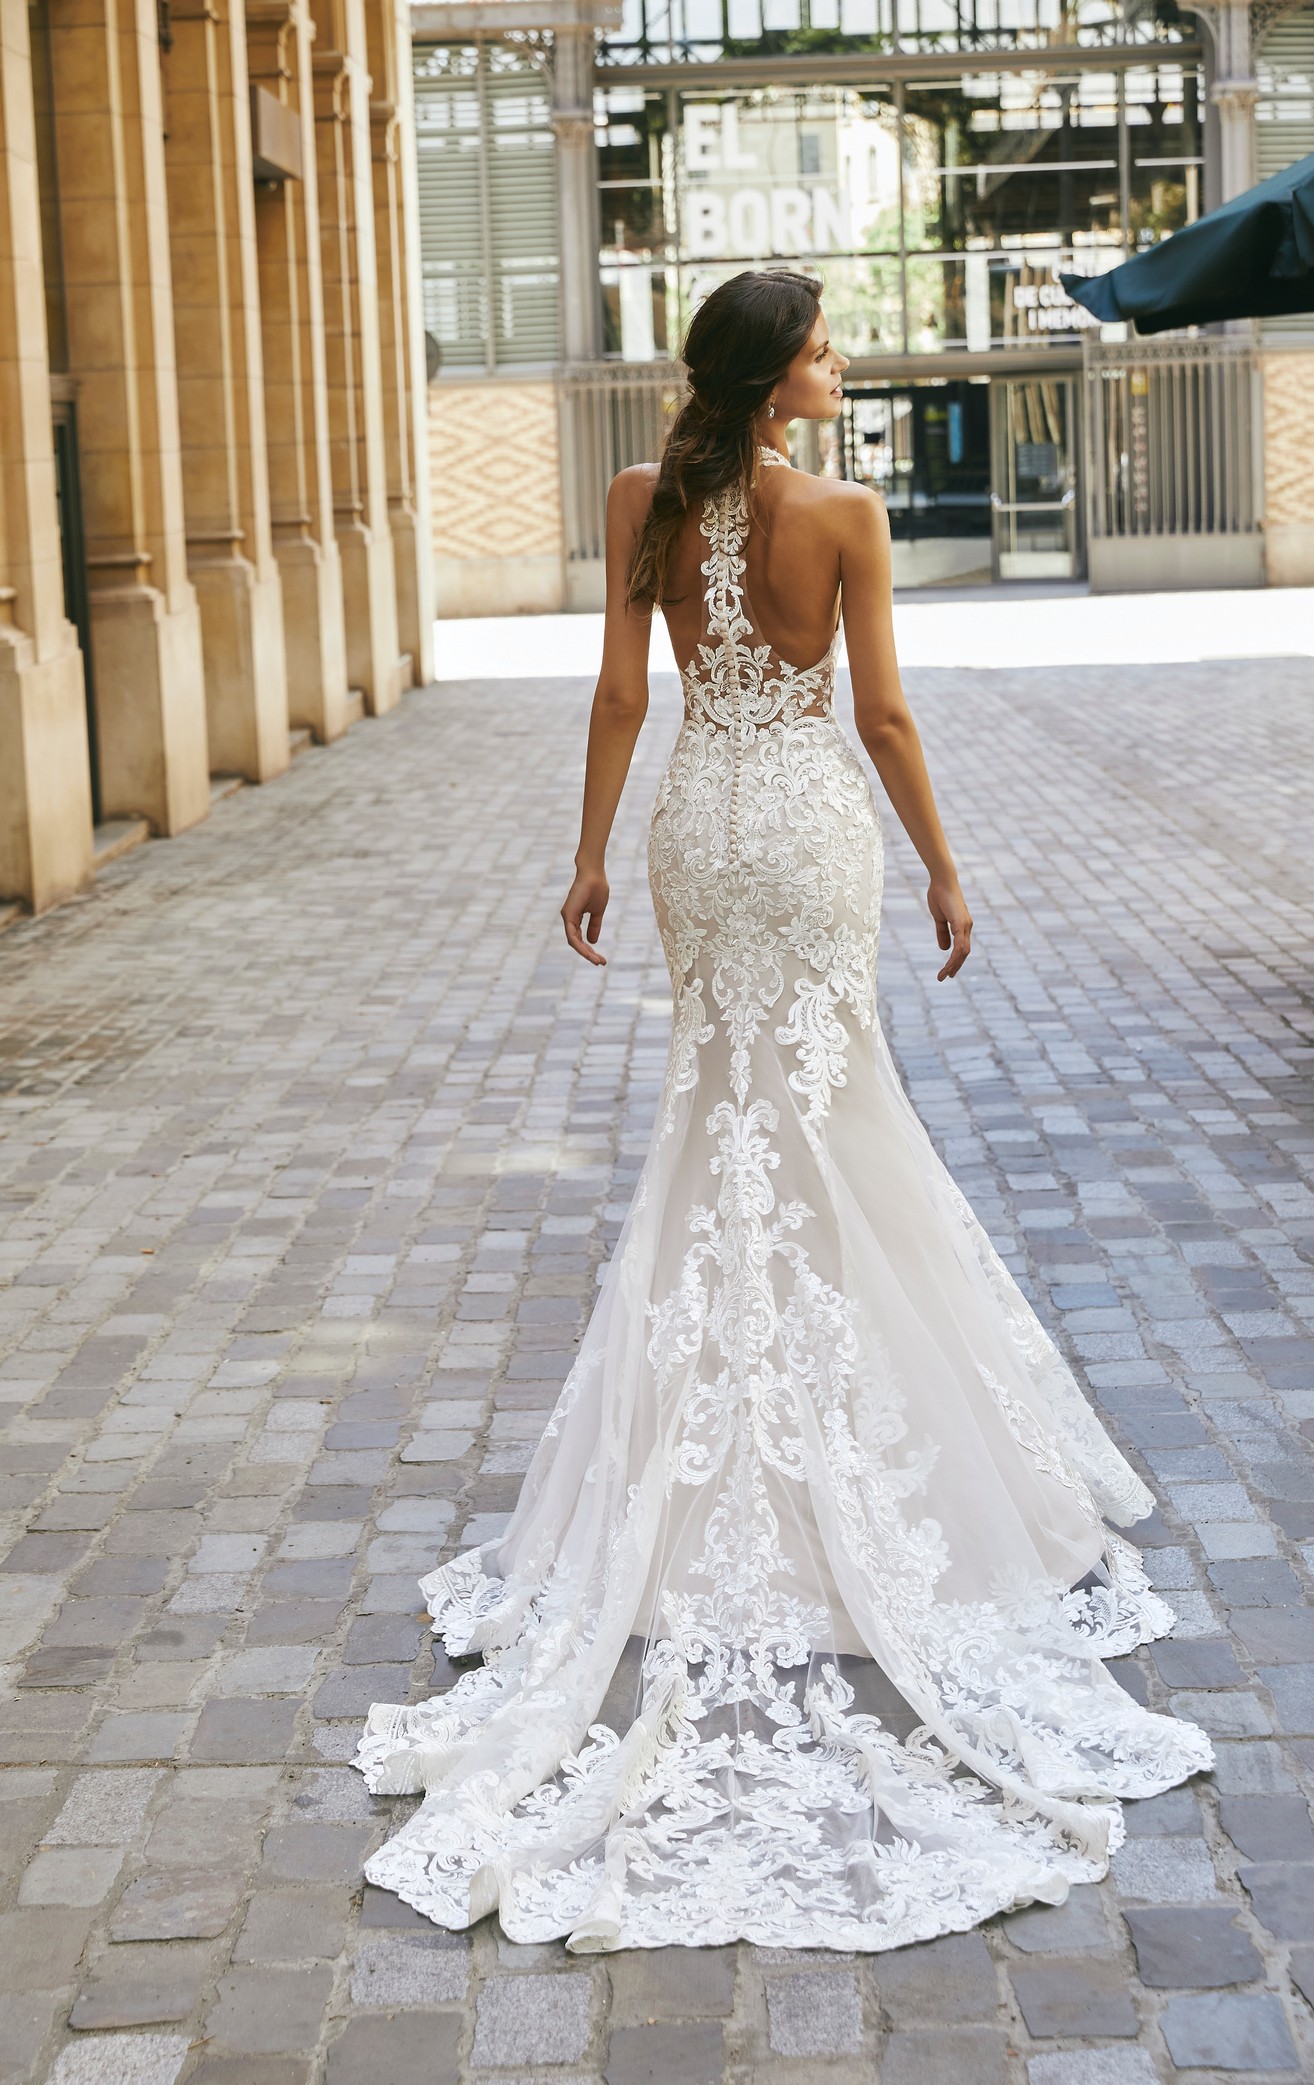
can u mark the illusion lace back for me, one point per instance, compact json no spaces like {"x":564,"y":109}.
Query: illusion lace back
{"x":796,"y":1631}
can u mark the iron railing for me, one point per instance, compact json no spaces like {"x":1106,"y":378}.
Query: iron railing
{"x":613,"y":414}
{"x":1171,"y":438}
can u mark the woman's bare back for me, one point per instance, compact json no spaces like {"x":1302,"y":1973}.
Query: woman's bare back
{"x":792,"y":560}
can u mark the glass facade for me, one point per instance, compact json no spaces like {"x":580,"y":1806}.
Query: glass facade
{"x":940,"y":212}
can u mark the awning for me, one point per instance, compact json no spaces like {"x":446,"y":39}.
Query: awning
{"x":1252,"y":259}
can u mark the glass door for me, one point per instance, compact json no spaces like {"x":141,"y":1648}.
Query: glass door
{"x":1034,"y":507}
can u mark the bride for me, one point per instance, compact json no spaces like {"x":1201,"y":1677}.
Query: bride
{"x":796,"y":1633}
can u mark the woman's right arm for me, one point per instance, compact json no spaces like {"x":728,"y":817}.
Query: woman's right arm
{"x":883,"y":718}
{"x":620,"y":703}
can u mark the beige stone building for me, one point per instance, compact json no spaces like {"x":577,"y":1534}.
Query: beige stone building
{"x":214,"y":501}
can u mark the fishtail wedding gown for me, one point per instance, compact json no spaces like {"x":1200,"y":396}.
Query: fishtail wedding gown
{"x":796,"y":1632}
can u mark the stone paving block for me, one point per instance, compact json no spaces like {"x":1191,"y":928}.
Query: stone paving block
{"x":931,"y":2056}
{"x":70,"y":1875}
{"x":1276,"y":1635}
{"x":1237,"y":1713}
{"x":1229,"y":2031}
{"x":384,"y":1639}
{"x":1197,"y":1947}
{"x":671,"y":1983}
{"x":160,"y":1736}
{"x":106,"y":1807}
{"x":1251,"y":1769}
{"x":1283,"y":1896}
{"x":299,"y":1925}
{"x":293,"y":1621}
{"x":41,"y":1947}
{"x":121,"y":2059}
{"x":143,"y":1986}
{"x":814,"y":2012}
{"x":1077,"y":1926}
{"x":241,"y":1731}
{"x":1165,"y":1871}
{"x":269,"y":2011}
{"x":379,"y":1908}
{"x":26,"y":2018}
{"x":281,"y":1669}
{"x":182,"y":1638}
{"x":1173,"y":1815}
{"x":1268,"y":1827}
{"x":665,"y":2055}
{"x":316,"y":1852}
{"x":403,"y":1969}
{"x":944,"y":1980}
{"x":176,"y":1904}
{"x":1205,"y":1663}
{"x":1073,"y":1998}
{"x":411,"y":2049}
{"x":1292,"y":1689}
{"x":1093,"y":2067}
{"x":353,"y":1693}
{"x":57,"y":1667}
{"x":531,"y":2019}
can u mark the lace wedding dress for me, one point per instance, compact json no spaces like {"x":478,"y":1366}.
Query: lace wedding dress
{"x":796,"y":1631}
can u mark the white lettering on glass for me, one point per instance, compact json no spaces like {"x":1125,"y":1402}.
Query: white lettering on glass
{"x":705,"y":221}
{"x":701,"y":137}
{"x":733,"y":156}
{"x":750,"y":221}
{"x":791,"y":214}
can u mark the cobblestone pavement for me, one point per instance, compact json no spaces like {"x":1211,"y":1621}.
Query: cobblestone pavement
{"x":316,"y":1137}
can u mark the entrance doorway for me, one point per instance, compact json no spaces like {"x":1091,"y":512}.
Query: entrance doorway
{"x":925,"y":447}
{"x":1035,"y":513}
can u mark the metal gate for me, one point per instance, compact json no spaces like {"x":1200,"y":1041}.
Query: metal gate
{"x":613,"y":414}
{"x":1173,"y":490}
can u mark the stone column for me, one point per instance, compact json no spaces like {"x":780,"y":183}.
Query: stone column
{"x":280,"y":35}
{"x":230,"y":548}
{"x":145,"y":630}
{"x":401,"y":326}
{"x":577,"y":192}
{"x":351,"y":333}
{"x":45,"y":776}
{"x":1234,"y":90}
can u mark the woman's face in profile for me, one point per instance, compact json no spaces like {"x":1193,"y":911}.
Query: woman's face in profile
{"x":811,"y":387}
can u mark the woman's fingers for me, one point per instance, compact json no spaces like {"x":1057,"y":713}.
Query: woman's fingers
{"x":959,"y":933}
{"x":573,"y":914}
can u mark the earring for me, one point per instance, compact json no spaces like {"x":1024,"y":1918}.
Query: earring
{"x":771,"y":410}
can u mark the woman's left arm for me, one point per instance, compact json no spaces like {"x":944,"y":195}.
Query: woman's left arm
{"x":620,"y":703}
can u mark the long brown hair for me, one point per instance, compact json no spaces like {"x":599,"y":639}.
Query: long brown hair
{"x":740,"y":342}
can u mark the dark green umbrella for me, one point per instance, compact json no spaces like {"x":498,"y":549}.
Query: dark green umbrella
{"x":1252,"y":259}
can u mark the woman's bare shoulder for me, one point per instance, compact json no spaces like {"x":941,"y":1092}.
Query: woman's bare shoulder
{"x":631,"y":490}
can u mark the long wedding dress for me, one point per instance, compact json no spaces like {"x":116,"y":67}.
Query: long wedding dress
{"x":795,"y":1635}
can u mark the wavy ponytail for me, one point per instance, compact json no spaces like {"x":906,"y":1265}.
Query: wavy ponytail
{"x":740,"y":342}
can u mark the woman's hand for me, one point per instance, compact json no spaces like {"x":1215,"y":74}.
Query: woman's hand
{"x":587,"y":899}
{"x":953,"y":923}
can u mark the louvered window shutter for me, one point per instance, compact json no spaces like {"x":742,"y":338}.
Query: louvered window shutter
{"x":488,"y":206}
{"x":1284,"y":117}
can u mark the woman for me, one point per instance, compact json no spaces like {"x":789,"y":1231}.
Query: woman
{"x":796,"y":1632}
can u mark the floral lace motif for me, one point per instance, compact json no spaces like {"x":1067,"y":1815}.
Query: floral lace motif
{"x":796,"y":1632}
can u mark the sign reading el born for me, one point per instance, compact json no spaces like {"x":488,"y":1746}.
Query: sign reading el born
{"x":735,"y":200}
